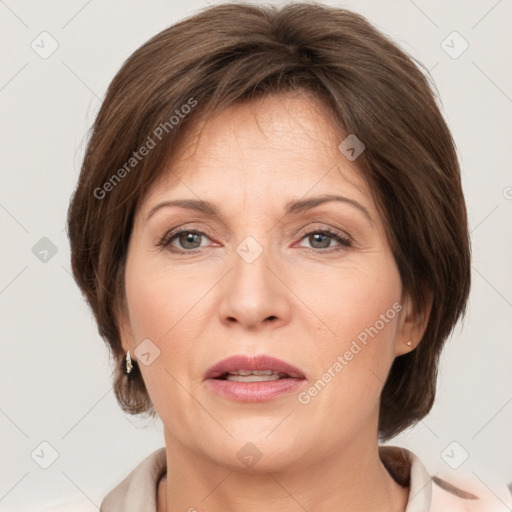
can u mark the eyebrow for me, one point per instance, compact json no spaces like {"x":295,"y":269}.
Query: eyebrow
{"x":291,"y":207}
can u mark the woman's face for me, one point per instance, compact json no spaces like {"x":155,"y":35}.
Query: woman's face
{"x":262,"y":277}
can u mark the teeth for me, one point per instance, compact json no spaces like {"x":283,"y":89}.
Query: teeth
{"x":252,"y":372}
{"x":255,"y":377}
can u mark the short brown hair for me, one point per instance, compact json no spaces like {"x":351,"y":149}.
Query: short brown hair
{"x":237,"y":52}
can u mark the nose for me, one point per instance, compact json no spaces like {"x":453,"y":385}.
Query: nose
{"x":254,"y":295}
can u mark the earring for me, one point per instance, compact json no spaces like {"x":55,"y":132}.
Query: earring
{"x":129,"y":366}
{"x":409,"y":343}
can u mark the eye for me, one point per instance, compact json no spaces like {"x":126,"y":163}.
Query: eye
{"x":188,"y":239}
{"x":321,"y":239}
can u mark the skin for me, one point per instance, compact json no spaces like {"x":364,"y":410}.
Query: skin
{"x":303,"y":300}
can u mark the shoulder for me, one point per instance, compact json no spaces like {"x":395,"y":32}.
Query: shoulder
{"x":462,"y":492}
{"x":138,"y":490}
{"x":468,"y":493}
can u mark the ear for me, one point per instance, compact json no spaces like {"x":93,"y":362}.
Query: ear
{"x":412,"y":324}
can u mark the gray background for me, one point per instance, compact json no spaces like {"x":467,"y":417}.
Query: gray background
{"x":55,"y":369}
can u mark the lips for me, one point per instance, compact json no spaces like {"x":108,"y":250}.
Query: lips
{"x":239,"y":364}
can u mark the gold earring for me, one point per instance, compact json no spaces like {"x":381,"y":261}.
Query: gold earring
{"x":129,"y":366}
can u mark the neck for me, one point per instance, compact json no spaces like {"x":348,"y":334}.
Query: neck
{"x":349,"y":478}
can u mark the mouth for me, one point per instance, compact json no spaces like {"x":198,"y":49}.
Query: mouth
{"x":261,"y":378}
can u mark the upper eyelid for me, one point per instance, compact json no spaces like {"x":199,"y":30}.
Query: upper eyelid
{"x":320,"y":226}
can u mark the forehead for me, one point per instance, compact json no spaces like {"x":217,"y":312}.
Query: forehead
{"x":278,"y":146}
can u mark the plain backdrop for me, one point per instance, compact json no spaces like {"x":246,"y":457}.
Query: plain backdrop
{"x":55,"y":376}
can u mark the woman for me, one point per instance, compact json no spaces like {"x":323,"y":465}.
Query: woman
{"x":270,"y":229}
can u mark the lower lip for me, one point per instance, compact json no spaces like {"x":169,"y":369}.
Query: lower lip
{"x":254,"y":391}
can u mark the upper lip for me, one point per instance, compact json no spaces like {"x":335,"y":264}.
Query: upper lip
{"x":256,"y":362}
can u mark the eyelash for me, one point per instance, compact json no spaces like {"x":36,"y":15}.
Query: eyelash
{"x":344,"y":241}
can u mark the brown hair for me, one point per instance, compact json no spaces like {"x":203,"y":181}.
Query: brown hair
{"x":236,"y":52}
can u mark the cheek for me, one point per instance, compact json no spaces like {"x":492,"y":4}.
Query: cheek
{"x":355,"y":298}
{"x":355,"y":345}
{"x":159,"y":298}
{"x":150,"y":308}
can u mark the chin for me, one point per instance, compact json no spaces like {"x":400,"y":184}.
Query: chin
{"x":259,"y":453}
